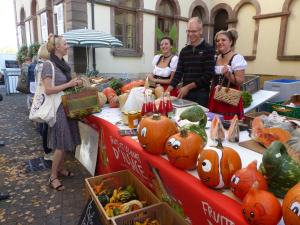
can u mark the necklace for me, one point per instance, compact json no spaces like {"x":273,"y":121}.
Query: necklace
{"x":165,"y":57}
{"x":223,"y":54}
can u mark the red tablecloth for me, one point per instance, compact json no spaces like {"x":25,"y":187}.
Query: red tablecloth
{"x":200,"y":204}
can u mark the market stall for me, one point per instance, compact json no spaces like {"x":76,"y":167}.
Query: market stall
{"x":183,"y":190}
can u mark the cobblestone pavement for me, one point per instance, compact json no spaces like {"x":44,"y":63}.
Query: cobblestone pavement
{"x":31,"y":200}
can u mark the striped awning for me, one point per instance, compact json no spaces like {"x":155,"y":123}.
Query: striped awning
{"x":91,"y":38}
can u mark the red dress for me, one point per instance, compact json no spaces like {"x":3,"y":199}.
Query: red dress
{"x":228,"y":111}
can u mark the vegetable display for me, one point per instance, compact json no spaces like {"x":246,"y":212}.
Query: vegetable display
{"x":247,"y":98}
{"x":291,"y":206}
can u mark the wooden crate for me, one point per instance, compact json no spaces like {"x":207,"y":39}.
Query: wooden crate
{"x":115,"y":180}
{"x":161,"y":212}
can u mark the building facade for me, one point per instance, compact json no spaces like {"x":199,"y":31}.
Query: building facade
{"x":268,"y":37}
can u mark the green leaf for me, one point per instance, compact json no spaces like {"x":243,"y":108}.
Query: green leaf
{"x":173,"y":33}
{"x":159,"y":34}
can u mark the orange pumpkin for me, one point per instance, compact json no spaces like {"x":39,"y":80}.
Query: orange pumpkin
{"x":261,"y":207}
{"x":216,"y":166}
{"x":153,"y":132}
{"x":243,"y":179}
{"x":112,"y":97}
{"x":183,"y":149}
{"x":291,"y":206}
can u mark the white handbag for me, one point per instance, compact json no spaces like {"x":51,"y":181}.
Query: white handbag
{"x":44,"y":107}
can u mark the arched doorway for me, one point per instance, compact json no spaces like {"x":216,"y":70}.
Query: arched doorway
{"x":220,"y":21}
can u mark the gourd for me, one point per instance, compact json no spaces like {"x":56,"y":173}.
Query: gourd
{"x":266,"y":136}
{"x":217,"y":131}
{"x":183,"y":149}
{"x":102,"y":98}
{"x":111,"y":96}
{"x":194,"y":114}
{"x":154,"y":131}
{"x":243,"y":179}
{"x":132,"y":84}
{"x":261,"y":207}
{"x":216,"y":165}
{"x":281,"y":171}
{"x":291,"y":206}
{"x":197,"y":129}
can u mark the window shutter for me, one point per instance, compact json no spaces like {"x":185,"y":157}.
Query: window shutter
{"x":27,"y":30}
{"x":59,"y":10}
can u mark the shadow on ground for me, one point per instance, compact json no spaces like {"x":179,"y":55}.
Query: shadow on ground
{"x":31,"y":200}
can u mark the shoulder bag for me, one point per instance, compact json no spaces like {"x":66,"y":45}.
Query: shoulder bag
{"x":44,"y":107}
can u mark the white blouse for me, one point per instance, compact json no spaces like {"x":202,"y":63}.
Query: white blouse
{"x":164,"y":72}
{"x":238,"y":63}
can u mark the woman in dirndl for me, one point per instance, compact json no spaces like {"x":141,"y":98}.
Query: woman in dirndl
{"x":165,"y":65}
{"x":231,"y":67}
{"x":64,"y":135}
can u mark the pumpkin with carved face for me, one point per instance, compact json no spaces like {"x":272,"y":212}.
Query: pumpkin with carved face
{"x":216,"y":166}
{"x":261,"y":207}
{"x":291,"y":206}
{"x":183,"y":149}
{"x":154,"y":131}
{"x":243,"y":179}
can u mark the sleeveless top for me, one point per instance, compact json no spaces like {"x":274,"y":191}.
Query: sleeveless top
{"x":164,"y":73}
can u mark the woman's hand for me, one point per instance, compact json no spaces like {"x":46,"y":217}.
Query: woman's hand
{"x":75,"y":82}
{"x":151,"y":77}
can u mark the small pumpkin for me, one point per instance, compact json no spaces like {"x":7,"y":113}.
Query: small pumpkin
{"x":183,"y":149}
{"x":261,"y":207}
{"x":153,"y":132}
{"x":291,"y":206}
{"x":217,"y":165}
{"x":112,"y":97}
{"x":243,"y":179}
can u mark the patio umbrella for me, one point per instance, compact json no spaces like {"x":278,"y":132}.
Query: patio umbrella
{"x":91,"y":39}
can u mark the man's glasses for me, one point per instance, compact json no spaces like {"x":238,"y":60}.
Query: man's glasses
{"x":192,"y":31}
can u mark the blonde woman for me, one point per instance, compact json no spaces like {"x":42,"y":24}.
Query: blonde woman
{"x":231,"y":67}
{"x":64,"y":135}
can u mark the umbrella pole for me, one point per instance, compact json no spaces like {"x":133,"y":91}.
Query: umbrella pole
{"x":87,"y":59}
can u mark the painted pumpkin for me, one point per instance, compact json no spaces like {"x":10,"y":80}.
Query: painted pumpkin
{"x":291,"y":206}
{"x":261,"y":207}
{"x":216,"y":166}
{"x":183,"y":149}
{"x":243,"y":179}
{"x":153,"y":132}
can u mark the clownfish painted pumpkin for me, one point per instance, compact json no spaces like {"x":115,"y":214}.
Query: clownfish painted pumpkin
{"x":216,"y":166}
{"x":154,"y":131}
{"x":291,"y":206}
{"x":261,"y":207}
{"x":183,"y":149}
{"x":243,"y":179}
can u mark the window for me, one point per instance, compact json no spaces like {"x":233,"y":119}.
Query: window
{"x":126,"y":28}
{"x":58,"y":19}
{"x":44,"y":27}
{"x":165,"y":19}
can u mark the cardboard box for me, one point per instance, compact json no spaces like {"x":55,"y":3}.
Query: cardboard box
{"x":116,"y":180}
{"x":161,"y":212}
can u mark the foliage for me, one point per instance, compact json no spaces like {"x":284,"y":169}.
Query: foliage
{"x":33,"y":49}
{"x":172,"y":34}
{"x":247,"y":98}
{"x":22,"y":54}
{"x":91,"y":73}
{"x":116,"y":84}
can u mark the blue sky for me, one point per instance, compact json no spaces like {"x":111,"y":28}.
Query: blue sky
{"x":7,"y":25}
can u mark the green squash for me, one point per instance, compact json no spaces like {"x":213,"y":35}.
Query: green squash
{"x":281,"y":171}
{"x":194,"y":114}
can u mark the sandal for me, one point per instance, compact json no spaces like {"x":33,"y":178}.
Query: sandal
{"x":59,"y":187}
{"x":65,"y":173}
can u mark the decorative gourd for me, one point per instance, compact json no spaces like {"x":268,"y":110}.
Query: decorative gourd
{"x":183,"y":149}
{"x":102,"y":98}
{"x":293,"y":146}
{"x":266,"y":136}
{"x":291,"y":206}
{"x":217,"y":131}
{"x":194,"y":114}
{"x":243,"y":179}
{"x":281,"y":171}
{"x":217,"y":165}
{"x":153,"y":132}
{"x":233,"y":134}
{"x":112,"y":97}
{"x":197,"y":129}
{"x":261,"y":207}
